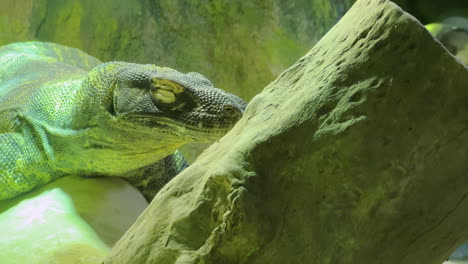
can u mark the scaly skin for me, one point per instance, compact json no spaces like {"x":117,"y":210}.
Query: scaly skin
{"x":63,"y":112}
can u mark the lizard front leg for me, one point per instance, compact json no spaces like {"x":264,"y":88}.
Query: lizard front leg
{"x":23,"y":163}
{"x":16,"y":174}
{"x":150,"y":179}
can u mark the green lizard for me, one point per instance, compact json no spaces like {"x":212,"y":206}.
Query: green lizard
{"x":64,"y":112}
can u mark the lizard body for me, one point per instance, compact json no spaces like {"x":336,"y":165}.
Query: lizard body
{"x":64,"y":112}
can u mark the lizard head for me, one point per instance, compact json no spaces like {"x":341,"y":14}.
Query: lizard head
{"x":154,"y":97}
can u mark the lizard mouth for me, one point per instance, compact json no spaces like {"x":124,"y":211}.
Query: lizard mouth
{"x":203,"y":128}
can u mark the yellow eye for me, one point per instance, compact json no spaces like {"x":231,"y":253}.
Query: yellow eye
{"x":165,"y":90}
{"x":165,"y":96}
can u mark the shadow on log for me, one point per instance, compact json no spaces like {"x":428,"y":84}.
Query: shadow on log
{"x":355,"y":154}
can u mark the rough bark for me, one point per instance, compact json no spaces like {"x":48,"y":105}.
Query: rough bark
{"x":355,"y":154}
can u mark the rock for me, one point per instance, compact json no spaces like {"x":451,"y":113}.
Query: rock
{"x":108,"y":204}
{"x":355,"y":154}
{"x":71,"y":220}
{"x":46,"y":229}
{"x":453,"y":33}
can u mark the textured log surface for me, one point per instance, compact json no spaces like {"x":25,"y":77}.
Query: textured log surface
{"x":355,"y":154}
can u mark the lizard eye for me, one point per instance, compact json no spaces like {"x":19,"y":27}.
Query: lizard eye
{"x":165,"y":91}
